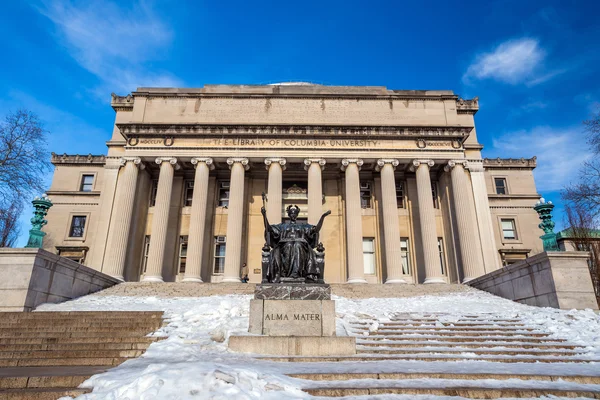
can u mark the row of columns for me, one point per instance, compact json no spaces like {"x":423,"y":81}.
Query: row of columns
{"x":121,"y":218}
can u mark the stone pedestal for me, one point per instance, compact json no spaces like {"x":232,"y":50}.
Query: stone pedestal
{"x":293,"y":319}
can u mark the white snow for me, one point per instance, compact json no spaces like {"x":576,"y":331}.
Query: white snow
{"x":193,"y":361}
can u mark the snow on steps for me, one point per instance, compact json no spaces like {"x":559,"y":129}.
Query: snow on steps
{"x":430,"y":339}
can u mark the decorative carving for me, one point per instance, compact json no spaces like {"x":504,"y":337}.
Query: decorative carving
{"x":464,"y":106}
{"x":121,"y":103}
{"x":281,"y":161}
{"x":199,"y":130}
{"x":77,"y":159}
{"x":170,"y":160}
{"x":452,"y":163}
{"x":136,"y":160}
{"x":421,"y":144}
{"x":295,"y":189}
{"x":208,"y":161}
{"x":544,"y":210}
{"x":382,"y":161}
{"x":241,"y":160}
{"x":169,"y":141}
{"x":510,"y":162}
{"x":347,"y":161}
{"x":309,"y":161}
{"x":417,"y":163}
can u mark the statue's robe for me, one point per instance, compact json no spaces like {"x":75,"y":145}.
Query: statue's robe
{"x":293,"y":255}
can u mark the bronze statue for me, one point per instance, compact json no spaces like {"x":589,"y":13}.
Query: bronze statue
{"x":289,"y":253}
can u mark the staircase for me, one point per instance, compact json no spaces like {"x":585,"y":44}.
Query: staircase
{"x":47,"y":355}
{"x":474,"y":356}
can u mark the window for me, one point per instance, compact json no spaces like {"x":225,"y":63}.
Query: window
{"x":369,"y":255}
{"x":153,"y":192}
{"x":405,"y":256}
{"x":219,"y":266}
{"x":434,"y":193}
{"x":87,"y":183}
{"x":441,"y":251}
{"x":365,"y":194}
{"x":500,"y":186}
{"x":146,"y":250}
{"x":77,"y":226}
{"x":188,"y":193}
{"x":183,"y":245}
{"x":224,"y":194}
{"x":508,"y":229}
{"x":400,"y":194}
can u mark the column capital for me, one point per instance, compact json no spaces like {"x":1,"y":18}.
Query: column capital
{"x":242,"y":160}
{"x":170,"y":160}
{"x":382,"y":161}
{"x":135,"y":160}
{"x":417,"y":163}
{"x":347,"y":161}
{"x":453,"y":163}
{"x":271,"y":160}
{"x":475,"y":165}
{"x":206,"y":160}
{"x":309,"y":161}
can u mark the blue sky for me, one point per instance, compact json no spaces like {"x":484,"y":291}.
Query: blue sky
{"x":533,"y":64}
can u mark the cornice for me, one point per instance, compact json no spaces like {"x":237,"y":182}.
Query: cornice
{"x":121,"y":103}
{"x":502,"y":163}
{"x":76,"y":159}
{"x":514,"y":196}
{"x":71,"y":193}
{"x":133,"y":130}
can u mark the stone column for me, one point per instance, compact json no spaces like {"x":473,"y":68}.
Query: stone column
{"x":193,"y":270}
{"x":275,"y":166}
{"x":235,"y":219}
{"x":433,"y":268}
{"x":315,"y":188}
{"x":391,"y":231}
{"x":121,"y":218}
{"x":356,"y":268}
{"x":472,"y":261}
{"x":160,"y":219}
{"x":491,"y":261}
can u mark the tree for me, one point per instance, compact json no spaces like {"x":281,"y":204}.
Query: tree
{"x":23,"y":163}
{"x":585,"y":194}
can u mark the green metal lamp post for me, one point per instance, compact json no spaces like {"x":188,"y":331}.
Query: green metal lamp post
{"x":544,"y":210}
{"x":36,"y":236}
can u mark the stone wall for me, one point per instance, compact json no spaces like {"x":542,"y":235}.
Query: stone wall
{"x":548,"y":279}
{"x":30,"y":277}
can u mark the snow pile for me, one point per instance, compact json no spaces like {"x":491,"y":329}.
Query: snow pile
{"x":193,"y":362}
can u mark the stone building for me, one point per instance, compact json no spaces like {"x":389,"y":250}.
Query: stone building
{"x":178,"y":195}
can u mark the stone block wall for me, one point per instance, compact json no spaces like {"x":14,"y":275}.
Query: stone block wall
{"x":548,"y":279}
{"x":30,"y":277}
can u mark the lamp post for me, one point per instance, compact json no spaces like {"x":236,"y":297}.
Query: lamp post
{"x":544,"y":210}
{"x":36,"y":236}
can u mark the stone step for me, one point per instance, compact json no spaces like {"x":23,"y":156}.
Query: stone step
{"x":23,"y":382}
{"x":448,"y":332}
{"x":77,"y":334}
{"x":82,"y":339}
{"x":425,"y":350}
{"x":41,"y":393}
{"x":443,"y":328}
{"x":465,"y":392}
{"x":43,"y":362}
{"x":433,"y":324}
{"x":473,"y":339}
{"x":68,"y":328}
{"x":478,"y":320}
{"x":32,"y":324}
{"x":82,"y":314}
{"x":466,"y":345}
{"x":441,"y":375}
{"x":64,"y":354}
{"x":73,"y":346}
{"x":427,"y":357}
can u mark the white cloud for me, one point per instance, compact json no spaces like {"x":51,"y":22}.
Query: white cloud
{"x":512,"y":62}
{"x":112,"y":42}
{"x":560,"y":153}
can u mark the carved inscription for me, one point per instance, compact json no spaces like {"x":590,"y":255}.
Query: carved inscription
{"x":292,"y":317}
{"x":295,"y":142}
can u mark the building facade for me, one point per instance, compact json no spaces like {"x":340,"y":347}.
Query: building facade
{"x":178,"y":195}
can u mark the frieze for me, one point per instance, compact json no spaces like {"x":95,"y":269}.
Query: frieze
{"x":164,"y":130}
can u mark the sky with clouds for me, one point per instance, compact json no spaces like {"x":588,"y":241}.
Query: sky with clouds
{"x":533,"y":64}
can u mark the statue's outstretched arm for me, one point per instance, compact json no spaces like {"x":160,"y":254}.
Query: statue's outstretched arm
{"x":317,"y":228}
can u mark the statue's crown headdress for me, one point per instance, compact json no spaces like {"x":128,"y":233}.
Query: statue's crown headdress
{"x":291,"y":207}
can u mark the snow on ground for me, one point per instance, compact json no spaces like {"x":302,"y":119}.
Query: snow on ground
{"x":194,"y":363}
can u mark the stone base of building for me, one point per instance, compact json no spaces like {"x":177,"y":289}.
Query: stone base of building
{"x":549,"y":279}
{"x":292,"y":317}
{"x":30,"y":277}
{"x":285,"y":291}
{"x":294,"y":345}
